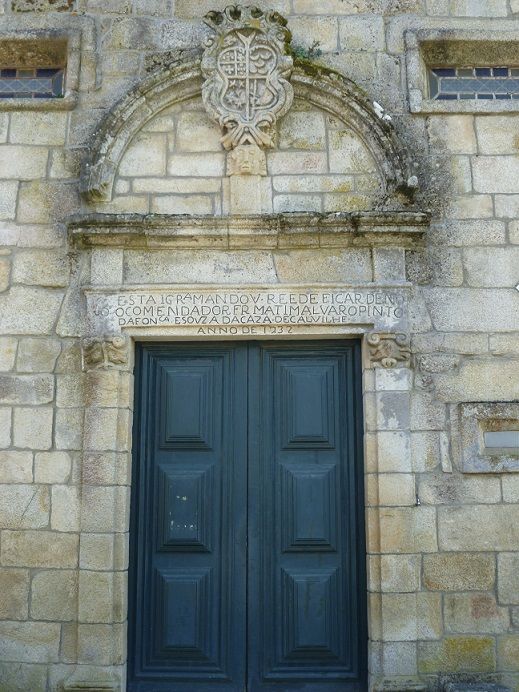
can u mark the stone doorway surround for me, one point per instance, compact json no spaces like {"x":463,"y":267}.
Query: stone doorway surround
{"x":104,"y":243}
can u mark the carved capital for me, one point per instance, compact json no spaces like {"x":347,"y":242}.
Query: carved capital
{"x":108,"y":352}
{"x":246,"y":66}
{"x":389,"y":350}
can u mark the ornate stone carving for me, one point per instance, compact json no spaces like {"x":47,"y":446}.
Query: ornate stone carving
{"x":246,"y":67}
{"x":389,"y":350}
{"x":246,"y":160}
{"x":106,"y":352}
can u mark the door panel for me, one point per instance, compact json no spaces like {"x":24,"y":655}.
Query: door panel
{"x":247,"y":557}
{"x":189,"y":552}
{"x":306,"y":587}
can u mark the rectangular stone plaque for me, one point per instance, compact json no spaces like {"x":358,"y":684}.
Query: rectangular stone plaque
{"x":250,"y":311}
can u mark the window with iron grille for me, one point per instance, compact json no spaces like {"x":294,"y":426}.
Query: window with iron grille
{"x":39,"y":82}
{"x":481,"y":83}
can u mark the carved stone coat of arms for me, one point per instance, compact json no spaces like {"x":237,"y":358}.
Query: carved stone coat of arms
{"x":247,"y":66}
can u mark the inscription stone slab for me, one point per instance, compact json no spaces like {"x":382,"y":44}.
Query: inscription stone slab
{"x":246,"y":311}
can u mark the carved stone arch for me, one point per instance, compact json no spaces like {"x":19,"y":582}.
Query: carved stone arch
{"x":182,"y":80}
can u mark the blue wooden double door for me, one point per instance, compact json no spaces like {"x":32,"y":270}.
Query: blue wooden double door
{"x":247,"y":563}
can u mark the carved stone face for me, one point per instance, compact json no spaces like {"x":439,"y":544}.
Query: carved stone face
{"x":247,"y":160}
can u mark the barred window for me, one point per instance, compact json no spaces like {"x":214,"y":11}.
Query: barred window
{"x":31,"y":83}
{"x":481,"y":83}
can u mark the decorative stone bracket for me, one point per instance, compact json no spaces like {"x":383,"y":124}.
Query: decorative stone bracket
{"x":108,"y":352}
{"x":389,"y":350}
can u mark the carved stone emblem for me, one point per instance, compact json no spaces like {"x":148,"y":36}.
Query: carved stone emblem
{"x":246,"y":67}
{"x":389,"y":350}
{"x":110,"y":351}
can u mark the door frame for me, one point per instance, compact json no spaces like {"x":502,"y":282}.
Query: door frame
{"x":104,"y":505}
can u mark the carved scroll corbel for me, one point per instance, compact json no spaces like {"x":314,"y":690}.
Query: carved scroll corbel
{"x":389,"y":350}
{"x":108,"y":352}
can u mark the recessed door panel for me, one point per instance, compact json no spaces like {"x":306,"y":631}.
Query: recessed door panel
{"x":247,"y":559}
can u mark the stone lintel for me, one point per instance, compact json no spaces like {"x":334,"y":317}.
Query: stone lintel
{"x":266,"y":231}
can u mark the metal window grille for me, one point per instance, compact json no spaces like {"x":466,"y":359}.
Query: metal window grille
{"x":32,"y":83}
{"x":482,"y":83}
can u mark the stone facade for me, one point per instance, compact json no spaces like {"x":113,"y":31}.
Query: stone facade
{"x":430,"y":202}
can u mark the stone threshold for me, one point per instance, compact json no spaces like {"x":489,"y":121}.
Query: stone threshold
{"x":402,"y":229}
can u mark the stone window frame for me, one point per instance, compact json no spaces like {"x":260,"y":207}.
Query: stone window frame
{"x":457,"y":47}
{"x":72,"y":36}
{"x":476,"y":418}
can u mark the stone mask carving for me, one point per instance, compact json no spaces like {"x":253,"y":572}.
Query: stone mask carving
{"x":246,"y":68}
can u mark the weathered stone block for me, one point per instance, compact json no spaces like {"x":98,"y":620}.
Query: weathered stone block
{"x":394,"y":451}
{"x":362,"y":33}
{"x":468,"y":233}
{"x":65,"y":508}
{"x":101,"y":644}
{"x":411,"y":616}
{"x":400,"y":573}
{"x":96,"y":596}
{"x":457,"y":655}
{"x":508,"y":578}
{"x":458,"y":489}
{"x":24,"y":506}
{"x":196,"y":132}
{"x":8,"y":194}
{"x":96,"y":551}
{"x":30,"y":127}
{"x":106,"y":468}
{"x":474,"y":613}
{"x":323,"y":30}
{"x":8,"y":345}
{"x":399,"y":658}
{"x":408,"y":530}
{"x":41,"y":268}
{"x":69,"y":390}
{"x":33,"y":427}
{"x":21,"y":677}
{"x":508,"y":652}
{"x":427,"y":413}
{"x":302,"y":130}
{"x":14,"y":594}
{"x":497,"y":135}
{"x":296,"y":266}
{"x":23,"y":162}
{"x":42,"y":201}
{"x":69,"y":428}
{"x":489,"y":379}
{"x":464,"y":309}
{"x":39,"y":549}
{"x":6,"y":414}
{"x":196,"y":165}
{"x":396,"y":489}
{"x":36,"y":642}
{"x":496,"y":267}
{"x":497,"y":527}
{"x":104,"y":509}
{"x":176,"y":204}
{"x":54,"y":595}
{"x":52,"y":467}
{"x":496,"y":174}
{"x":479,"y":8}
{"x":459,"y":572}
{"x":348,"y":154}
{"x":392,"y":410}
{"x":15,"y":467}
{"x":26,"y":389}
{"x":17,"y":314}
{"x":146,"y":155}
{"x":293,"y":203}
{"x":511,"y":489}
{"x":37,"y":355}
{"x":452,"y":133}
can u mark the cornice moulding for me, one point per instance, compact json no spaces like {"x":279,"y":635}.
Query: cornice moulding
{"x":157,"y":231}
